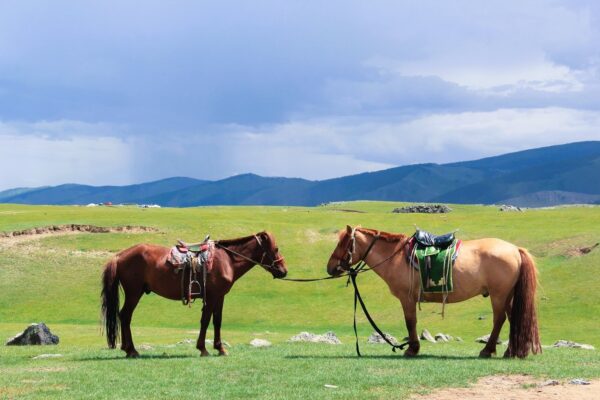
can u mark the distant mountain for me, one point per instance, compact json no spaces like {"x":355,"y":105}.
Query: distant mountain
{"x":545,"y":176}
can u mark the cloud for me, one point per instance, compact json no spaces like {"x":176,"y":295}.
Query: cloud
{"x":34,"y":155}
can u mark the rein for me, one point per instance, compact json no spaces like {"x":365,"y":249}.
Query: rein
{"x":266,"y":266}
{"x":352,"y":273}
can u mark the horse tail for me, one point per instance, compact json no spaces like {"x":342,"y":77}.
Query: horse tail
{"x":524,"y":333}
{"x":110,"y":301}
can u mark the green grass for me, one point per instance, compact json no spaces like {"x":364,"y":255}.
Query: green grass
{"x":57,"y":280}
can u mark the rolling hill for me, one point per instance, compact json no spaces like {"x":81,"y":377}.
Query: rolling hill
{"x":538,"y":177}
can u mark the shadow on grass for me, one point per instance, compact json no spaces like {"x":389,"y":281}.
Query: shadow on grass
{"x":390,"y":357}
{"x":141,"y":357}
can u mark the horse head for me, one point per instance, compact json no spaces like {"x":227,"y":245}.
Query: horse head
{"x":271,"y":259}
{"x":345,"y":253}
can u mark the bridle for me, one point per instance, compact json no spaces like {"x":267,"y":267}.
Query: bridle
{"x":345,"y":262}
{"x":269,"y":267}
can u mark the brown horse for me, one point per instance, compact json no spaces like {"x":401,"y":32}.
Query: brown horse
{"x":484,"y":267}
{"x":144,"y":268}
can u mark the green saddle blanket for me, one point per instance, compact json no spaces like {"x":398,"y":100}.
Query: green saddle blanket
{"x":435,"y":267}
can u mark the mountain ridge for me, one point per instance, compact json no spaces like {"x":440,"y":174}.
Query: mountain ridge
{"x":559,"y":174}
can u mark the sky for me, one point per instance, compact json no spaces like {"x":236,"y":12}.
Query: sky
{"x":125,"y":92}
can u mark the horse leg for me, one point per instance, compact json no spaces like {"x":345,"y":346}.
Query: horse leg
{"x":410,"y":316}
{"x":499,"y":307}
{"x":131,"y":300}
{"x":217,"y":318}
{"x":207,"y":312}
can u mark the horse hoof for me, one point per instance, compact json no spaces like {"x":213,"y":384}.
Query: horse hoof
{"x":133,"y":354}
{"x":485,"y":354}
{"x":204,"y":353}
{"x":223,"y":353}
{"x":410,"y":353}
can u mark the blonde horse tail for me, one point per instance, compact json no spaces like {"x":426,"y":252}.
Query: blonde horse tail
{"x":110,"y":301}
{"x":524,"y":333}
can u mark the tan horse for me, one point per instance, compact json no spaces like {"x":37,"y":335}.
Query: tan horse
{"x":493,"y":267}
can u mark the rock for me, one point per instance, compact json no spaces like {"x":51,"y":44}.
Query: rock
{"x":42,"y":356}
{"x":260,"y":343}
{"x":35,"y":334}
{"x":481,"y":317}
{"x":425,"y":335}
{"x":550,"y":382}
{"x":442,"y":337}
{"x":376,"y":338}
{"x":505,"y":207}
{"x":328,"y":337}
{"x":424,"y":209}
{"x":573,"y":345}
{"x":579,"y":381}
{"x":486,"y":338}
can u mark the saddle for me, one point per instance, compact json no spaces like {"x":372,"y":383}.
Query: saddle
{"x":194,"y":261}
{"x":425,"y":239}
{"x":433,"y":256}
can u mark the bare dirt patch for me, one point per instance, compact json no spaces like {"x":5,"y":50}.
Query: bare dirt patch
{"x":522,"y":387}
{"x":580,"y":251}
{"x":11,"y":239}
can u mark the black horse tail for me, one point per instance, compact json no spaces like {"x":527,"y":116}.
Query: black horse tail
{"x":524,"y":334}
{"x":110,"y":301}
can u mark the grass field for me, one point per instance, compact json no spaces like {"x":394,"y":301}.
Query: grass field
{"x":56,"y":280}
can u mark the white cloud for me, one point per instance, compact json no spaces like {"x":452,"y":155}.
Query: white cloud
{"x":51,"y":153}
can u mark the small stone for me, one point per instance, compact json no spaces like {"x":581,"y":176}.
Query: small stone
{"x":42,"y":356}
{"x":550,"y":382}
{"x":572,"y":345}
{"x":481,"y":317}
{"x":442,"y":337}
{"x":486,"y":338}
{"x":328,"y":386}
{"x":376,"y":338}
{"x":260,"y":343}
{"x":579,"y":381}
{"x":425,"y":335}
{"x":329,"y":338}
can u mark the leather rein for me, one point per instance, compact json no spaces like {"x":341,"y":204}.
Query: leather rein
{"x":351,"y":272}
{"x":269,"y":267}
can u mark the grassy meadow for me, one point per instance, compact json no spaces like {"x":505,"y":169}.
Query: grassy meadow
{"x":56,"y":279}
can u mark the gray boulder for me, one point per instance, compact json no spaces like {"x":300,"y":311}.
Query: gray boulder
{"x":35,"y":334}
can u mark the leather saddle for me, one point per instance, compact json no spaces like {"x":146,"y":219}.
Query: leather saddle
{"x":198,"y":247}
{"x":425,"y":238}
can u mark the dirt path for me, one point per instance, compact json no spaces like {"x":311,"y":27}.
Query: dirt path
{"x":518,"y":387}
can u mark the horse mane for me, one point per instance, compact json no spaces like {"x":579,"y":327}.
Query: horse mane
{"x":387,"y":236}
{"x":243,"y":239}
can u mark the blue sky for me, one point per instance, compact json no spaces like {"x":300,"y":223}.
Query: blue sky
{"x":124,"y":92}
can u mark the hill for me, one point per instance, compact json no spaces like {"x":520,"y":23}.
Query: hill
{"x":563,"y":174}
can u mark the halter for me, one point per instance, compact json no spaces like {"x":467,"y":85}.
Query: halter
{"x":348,"y":260}
{"x":269,"y":267}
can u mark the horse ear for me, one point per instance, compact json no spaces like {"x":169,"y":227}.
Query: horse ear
{"x":349,"y":229}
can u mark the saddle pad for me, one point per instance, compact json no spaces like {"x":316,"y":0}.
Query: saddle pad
{"x":435,"y":266}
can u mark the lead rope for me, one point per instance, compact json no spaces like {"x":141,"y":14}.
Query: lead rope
{"x":352,"y":274}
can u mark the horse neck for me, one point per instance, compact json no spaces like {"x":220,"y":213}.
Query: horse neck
{"x":381,"y":255}
{"x":249,"y":248}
